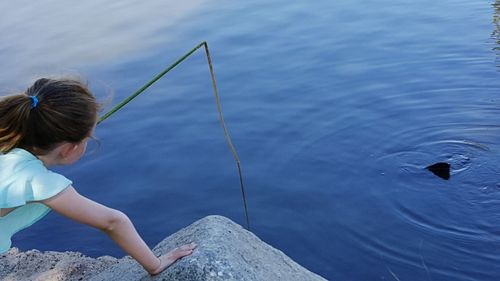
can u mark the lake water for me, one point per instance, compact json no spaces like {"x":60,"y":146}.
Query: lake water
{"x":335,"y":109}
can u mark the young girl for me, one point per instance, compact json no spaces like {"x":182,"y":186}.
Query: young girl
{"x":47,"y":125}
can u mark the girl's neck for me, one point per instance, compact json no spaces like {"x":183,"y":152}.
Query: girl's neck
{"x":50,"y":158}
{"x":47,"y":159}
{"x":63,"y":154}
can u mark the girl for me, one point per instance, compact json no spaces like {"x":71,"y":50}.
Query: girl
{"x":50,"y":124}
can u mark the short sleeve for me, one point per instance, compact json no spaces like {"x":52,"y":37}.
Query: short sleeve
{"x":47,"y":184}
{"x":33,"y":182}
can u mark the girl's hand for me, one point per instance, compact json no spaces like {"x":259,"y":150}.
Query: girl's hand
{"x":172,"y":256}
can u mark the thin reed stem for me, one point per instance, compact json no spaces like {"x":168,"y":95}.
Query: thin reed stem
{"x":219,"y":109}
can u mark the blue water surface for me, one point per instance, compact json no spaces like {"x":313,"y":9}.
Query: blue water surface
{"x":335,"y":109}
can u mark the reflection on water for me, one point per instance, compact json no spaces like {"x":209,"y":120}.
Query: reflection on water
{"x":496,"y":23}
{"x":53,"y":37}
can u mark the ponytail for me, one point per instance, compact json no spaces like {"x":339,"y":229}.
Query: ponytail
{"x":49,"y":112}
{"x":15,"y":111}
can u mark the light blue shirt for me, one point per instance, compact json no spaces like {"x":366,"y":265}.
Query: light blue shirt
{"x":24,"y":178}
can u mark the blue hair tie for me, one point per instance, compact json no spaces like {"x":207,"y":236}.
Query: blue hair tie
{"x":34,"y":101}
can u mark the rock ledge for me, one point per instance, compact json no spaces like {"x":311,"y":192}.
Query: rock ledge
{"x":225,"y":251}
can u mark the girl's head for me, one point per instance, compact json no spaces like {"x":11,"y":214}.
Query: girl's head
{"x":49,"y":113}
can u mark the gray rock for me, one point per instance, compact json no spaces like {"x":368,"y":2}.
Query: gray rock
{"x":225,"y":251}
{"x":54,"y":266}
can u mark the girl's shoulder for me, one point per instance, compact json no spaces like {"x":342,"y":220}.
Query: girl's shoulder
{"x":19,"y":165}
{"x":19,"y":159}
{"x":24,"y":178}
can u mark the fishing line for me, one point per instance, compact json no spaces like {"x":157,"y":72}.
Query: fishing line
{"x":219,"y":109}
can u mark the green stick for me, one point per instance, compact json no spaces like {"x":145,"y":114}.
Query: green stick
{"x":219,"y":109}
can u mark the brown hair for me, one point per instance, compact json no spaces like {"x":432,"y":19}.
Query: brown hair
{"x":66,"y":112}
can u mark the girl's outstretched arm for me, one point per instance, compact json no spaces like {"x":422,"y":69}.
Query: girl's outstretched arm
{"x":117,"y":225}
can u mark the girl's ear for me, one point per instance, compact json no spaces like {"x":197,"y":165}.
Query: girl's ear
{"x":67,"y":149}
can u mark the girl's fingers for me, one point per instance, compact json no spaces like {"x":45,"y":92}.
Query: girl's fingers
{"x":190,"y":246}
{"x":172,"y":256}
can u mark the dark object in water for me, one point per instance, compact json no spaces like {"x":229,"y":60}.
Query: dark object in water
{"x":440,"y":169}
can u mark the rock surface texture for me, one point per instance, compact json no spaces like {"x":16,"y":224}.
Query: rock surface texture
{"x":225,"y":251}
{"x":53,"y":266}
